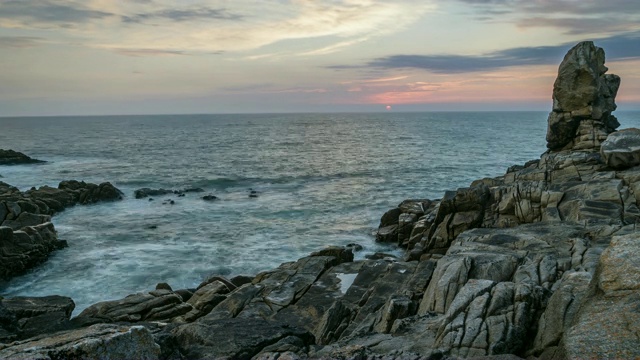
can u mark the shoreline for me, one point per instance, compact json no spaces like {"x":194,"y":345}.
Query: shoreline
{"x":531,"y":263}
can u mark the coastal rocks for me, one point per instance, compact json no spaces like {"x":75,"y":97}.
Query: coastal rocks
{"x":156,"y":305}
{"x":95,"y":342}
{"x":607,"y":325}
{"x":27,"y":236}
{"x":583,"y":99}
{"x":621,"y":149}
{"x":239,"y":338}
{"x":10,"y":157}
{"x":23,"y":249}
{"x":25,"y":317}
{"x":87,"y":193}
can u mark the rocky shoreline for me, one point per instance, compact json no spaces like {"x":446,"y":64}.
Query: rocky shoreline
{"x":541,"y":263}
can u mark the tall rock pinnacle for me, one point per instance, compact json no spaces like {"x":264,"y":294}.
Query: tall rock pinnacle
{"x":583,"y":99}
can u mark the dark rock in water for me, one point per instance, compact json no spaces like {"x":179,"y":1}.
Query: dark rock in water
{"x":25,"y":317}
{"x":10,"y":157}
{"x":190,"y":190}
{"x":209,"y":197}
{"x":23,"y":249}
{"x":146,"y":192}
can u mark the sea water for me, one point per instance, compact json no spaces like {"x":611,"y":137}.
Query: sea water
{"x":321,"y":179}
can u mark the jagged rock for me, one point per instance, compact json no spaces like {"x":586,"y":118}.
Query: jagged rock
{"x":25,"y":317}
{"x":95,"y":342}
{"x":607,"y":324}
{"x":583,"y":99}
{"x":155,"y":305}
{"x":87,"y":193}
{"x":10,"y":157}
{"x":23,"y":249}
{"x":239,"y":338}
{"x":621,"y":149}
{"x":26,"y":219}
{"x":30,"y":213}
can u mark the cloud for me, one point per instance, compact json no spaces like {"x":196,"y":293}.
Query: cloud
{"x":572,"y":16}
{"x":202,"y":13}
{"x":617,"y":47}
{"x":215,"y":25}
{"x":43,"y":13}
{"x":147,"y":52}
{"x":20,"y":42}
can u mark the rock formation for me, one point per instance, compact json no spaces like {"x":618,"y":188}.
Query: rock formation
{"x":583,"y":99}
{"x":27,"y":236}
{"x":542,"y":262}
{"x":10,"y":157}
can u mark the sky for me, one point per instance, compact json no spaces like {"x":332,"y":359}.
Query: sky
{"x":107,"y":57}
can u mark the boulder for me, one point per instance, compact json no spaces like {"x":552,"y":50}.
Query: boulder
{"x":10,"y":157}
{"x":621,"y":149}
{"x":583,"y":99}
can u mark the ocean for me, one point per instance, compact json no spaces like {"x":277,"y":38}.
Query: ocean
{"x":321,"y":179}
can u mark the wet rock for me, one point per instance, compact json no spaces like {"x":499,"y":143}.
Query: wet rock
{"x":10,"y":157}
{"x":146,"y":192}
{"x":23,"y":249}
{"x":209,"y":197}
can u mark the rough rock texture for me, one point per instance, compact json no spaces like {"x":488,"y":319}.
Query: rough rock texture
{"x":155,"y":305}
{"x":583,"y":99}
{"x":25,"y":317}
{"x":27,"y":236}
{"x":94,"y":342}
{"x":621,"y":149}
{"x":10,"y":157}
